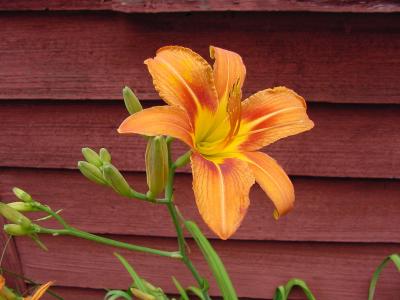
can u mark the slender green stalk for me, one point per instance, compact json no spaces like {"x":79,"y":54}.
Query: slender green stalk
{"x":169,"y":189}
{"x":55,"y":215}
{"x":102,"y":240}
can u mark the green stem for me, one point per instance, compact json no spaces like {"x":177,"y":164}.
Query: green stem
{"x":144,"y":197}
{"x":169,"y":190}
{"x":102,"y":240}
{"x":55,"y":215}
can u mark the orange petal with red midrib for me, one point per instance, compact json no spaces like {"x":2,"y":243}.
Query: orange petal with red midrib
{"x":39,"y":292}
{"x":160,"y":120}
{"x":221,"y":192}
{"x":273,"y":180}
{"x":270,"y":115}
{"x":183,"y":78}
{"x":228,"y":70}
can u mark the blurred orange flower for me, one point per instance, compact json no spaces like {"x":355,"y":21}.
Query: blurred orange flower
{"x":205,"y":111}
{"x":7,"y":293}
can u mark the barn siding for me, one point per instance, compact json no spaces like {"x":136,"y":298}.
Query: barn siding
{"x":61,"y":75}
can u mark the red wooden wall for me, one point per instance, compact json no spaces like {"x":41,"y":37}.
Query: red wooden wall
{"x":63,"y":65}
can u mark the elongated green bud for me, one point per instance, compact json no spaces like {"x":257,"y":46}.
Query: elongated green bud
{"x":116,"y":180}
{"x":105,"y":156}
{"x":92,"y":157}
{"x":156,"y":165}
{"x":132,"y":103}
{"x":14,"y":216}
{"x":16,"y":230}
{"x":91,"y":172}
{"x":22,"y":206}
{"x":22,"y":195}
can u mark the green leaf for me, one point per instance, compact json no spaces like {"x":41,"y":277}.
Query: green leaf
{"x":136,"y":279}
{"x":196,"y":291}
{"x":214,"y":262}
{"x":283,"y":292}
{"x":117,"y":294}
{"x":180,"y":289}
{"x":38,"y":242}
{"x":395,"y":258}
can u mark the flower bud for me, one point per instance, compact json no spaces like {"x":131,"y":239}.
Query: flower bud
{"x":14,"y":216}
{"x":22,"y":206}
{"x":142,"y":295}
{"x":92,"y":157}
{"x":91,"y":172}
{"x":22,"y":195}
{"x":132,"y":103}
{"x":16,"y":230}
{"x":105,"y":156}
{"x":156,"y":165}
{"x":116,"y":180}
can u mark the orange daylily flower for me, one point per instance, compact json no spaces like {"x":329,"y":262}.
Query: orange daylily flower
{"x":205,"y":111}
{"x":36,"y":296}
{"x":39,"y":292}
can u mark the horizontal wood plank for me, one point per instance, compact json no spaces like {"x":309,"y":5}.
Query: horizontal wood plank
{"x":155,"y":6}
{"x":362,"y":210}
{"x":347,"y":141}
{"x":94,"y":294}
{"x":326,"y":58}
{"x":333,"y":271}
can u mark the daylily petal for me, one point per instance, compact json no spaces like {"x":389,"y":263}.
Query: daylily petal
{"x":2,"y":282}
{"x":160,"y":120}
{"x":229,"y":75}
{"x":270,"y":115}
{"x":222,"y":192}
{"x":273,"y":180}
{"x":39,"y":292}
{"x":183,"y":78}
{"x":228,"y":70}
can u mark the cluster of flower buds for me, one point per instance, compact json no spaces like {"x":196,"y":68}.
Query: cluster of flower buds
{"x":98,"y":168}
{"x":19,"y":223}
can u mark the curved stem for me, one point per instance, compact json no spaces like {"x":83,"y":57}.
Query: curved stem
{"x":102,"y":240}
{"x":55,"y":215}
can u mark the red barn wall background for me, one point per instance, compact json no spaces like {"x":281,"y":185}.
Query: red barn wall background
{"x":63,"y":65}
